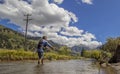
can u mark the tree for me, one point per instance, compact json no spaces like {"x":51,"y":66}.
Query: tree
{"x":82,"y":52}
{"x":111,"y":45}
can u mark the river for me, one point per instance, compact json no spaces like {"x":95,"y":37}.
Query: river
{"x":53,"y":67}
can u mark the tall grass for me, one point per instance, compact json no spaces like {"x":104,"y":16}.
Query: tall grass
{"x":29,"y":55}
{"x":17,"y":55}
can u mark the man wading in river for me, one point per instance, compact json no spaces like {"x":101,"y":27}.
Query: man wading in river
{"x":43,"y":43}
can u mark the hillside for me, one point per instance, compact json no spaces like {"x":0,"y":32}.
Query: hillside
{"x":10,"y":39}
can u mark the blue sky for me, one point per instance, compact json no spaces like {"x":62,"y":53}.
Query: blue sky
{"x":101,"y":18}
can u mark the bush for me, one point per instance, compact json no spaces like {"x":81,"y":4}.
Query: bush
{"x":97,"y":54}
{"x":64,"y":50}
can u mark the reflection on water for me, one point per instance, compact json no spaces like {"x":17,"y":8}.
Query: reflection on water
{"x":57,"y":67}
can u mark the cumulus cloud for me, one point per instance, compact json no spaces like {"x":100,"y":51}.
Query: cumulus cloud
{"x":72,"y":31}
{"x":84,"y":38}
{"x":71,"y":41}
{"x":43,"y":13}
{"x":88,"y":36}
{"x":47,"y":19}
{"x":58,"y":1}
{"x":87,"y":1}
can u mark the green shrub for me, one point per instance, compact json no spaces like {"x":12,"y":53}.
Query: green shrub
{"x":98,"y":55}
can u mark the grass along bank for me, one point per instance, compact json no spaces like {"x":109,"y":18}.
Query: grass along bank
{"x":99,"y":55}
{"x":16,"y":55}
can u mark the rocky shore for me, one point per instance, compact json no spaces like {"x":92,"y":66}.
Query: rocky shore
{"x":116,"y":67}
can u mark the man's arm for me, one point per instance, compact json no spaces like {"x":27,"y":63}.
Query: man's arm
{"x":48,"y":44}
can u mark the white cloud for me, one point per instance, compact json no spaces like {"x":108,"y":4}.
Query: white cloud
{"x":88,"y":36}
{"x":87,"y":1}
{"x":43,"y":13}
{"x":58,"y":1}
{"x":76,"y":41}
{"x":48,"y":19}
{"x":72,"y":31}
{"x":85,"y":38}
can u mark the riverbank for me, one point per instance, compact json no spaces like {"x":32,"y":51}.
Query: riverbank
{"x":113,"y":68}
{"x":107,"y":68}
{"x":110,"y":70}
{"x":116,"y":67}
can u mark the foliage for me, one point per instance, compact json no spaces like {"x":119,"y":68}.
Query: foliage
{"x":10,"y":39}
{"x":64,"y":50}
{"x":111,"y":45}
{"x":16,"y":55}
{"x":82,"y":52}
{"x":97,"y":54}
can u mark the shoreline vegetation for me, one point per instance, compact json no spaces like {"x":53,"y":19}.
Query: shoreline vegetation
{"x":7,"y":55}
{"x":21,"y":55}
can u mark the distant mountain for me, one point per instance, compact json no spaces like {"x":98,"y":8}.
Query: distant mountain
{"x":79,"y":48}
{"x":56,"y":45}
{"x":76,"y":49}
{"x":8,"y":30}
